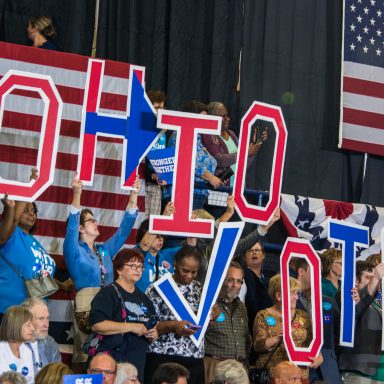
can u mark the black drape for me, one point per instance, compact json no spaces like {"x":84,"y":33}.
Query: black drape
{"x":73,"y":19}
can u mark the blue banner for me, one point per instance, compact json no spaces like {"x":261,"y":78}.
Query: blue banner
{"x":162,"y":161}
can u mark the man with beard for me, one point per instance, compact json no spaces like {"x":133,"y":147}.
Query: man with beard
{"x":45,"y":350}
{"x":228,"y":336}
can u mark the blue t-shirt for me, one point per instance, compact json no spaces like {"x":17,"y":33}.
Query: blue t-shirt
{"x":29,"y":258}
{"x":165,"y":265}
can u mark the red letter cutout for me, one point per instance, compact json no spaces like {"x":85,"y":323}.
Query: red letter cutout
{"x":187,"y":126}
{"x":302,"y":248}
{"x":250,"y":212}
{"x":46,"y":158}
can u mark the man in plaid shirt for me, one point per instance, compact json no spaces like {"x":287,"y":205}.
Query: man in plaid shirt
{"x":228,"y":336}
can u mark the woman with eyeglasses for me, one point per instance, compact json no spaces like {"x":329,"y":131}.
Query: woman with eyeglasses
{"x":19,"y":248}
{"x":124,"y":315}
{"x":224,"y":147}
{"x":174,"y":344}
{"x":332,"y":272}
{"x":90,"y":264}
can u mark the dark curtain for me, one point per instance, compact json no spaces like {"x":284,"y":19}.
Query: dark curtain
{"x":73,"y":19}
{"x":190,"y":48}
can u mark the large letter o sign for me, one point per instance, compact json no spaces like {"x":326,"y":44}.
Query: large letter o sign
{"x":272,"y":113}
{"x":46,"y":158}
{"x":302,"y":248}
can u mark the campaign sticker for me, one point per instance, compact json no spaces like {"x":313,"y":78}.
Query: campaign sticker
{"x":327,"y":319}
{"x":221,"y":317}
{"x":271,"y":321}
{"x":13,"y":367}
{"x":327,"y":306}
{"x":24,"y":371}
{"x":143,"y":308}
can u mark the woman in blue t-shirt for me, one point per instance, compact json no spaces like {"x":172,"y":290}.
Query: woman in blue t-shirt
{"x":21,"y":250}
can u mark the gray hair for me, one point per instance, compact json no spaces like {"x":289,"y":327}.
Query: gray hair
{"x":231,"y":372}
{"x":32,"y":301}
{"x":124,"y":371}
{"x":12,"y":377}
{"x":212,"y":107}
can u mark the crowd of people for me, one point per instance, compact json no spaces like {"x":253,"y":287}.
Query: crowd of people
{"x":126,"y":331}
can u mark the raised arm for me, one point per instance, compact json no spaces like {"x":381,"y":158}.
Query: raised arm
{"x":8,"y":224}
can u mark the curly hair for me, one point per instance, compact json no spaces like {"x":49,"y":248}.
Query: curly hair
{"x":327,"y":258}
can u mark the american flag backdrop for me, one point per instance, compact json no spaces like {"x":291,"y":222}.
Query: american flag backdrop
{"x":19,"y":138}
{"x":362,"y":77}
{"x":308,"y":218}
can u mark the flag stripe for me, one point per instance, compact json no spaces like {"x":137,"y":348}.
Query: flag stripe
{"x":363,"y":118}
{"x":363,"y":87}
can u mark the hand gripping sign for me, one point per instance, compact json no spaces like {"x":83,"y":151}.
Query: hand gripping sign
{"x":350,"y":236}
{"x":224,"y":247}
{"x":302,"y":248}
{"x":46,"y":158}
{"x":137,"y":127}
{"x":272,"y":113}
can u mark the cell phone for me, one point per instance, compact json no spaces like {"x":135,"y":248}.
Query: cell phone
{"x":192,"y":326}
{"x":151,"y":323}
{"x":226,"y":174}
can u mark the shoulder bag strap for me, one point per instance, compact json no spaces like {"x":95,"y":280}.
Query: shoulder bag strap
{"x":12,"y":266}
{"x":123,"y":310}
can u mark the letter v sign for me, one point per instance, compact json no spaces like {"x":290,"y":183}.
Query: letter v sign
{"x":222,"y":253}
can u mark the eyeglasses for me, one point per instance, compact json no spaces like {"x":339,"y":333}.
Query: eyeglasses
{"x":254,"y":251}
{"x":92,"y":220}
{"x":102,"y":371}
{"x":135,"y":267}
{"x":231,"y":280}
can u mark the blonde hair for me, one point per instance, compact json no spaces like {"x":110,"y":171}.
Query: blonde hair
{"x":327,"y":258}
{"x":202,"y":214}
{"x":275,"y":286}
{"x":231,"y":372}
{"x":12,"y":377}
{"x":14,"y":319}
{"x":52,"y":373}
{"x":44,"y":25}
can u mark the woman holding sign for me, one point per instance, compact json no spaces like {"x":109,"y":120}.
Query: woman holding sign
{"x":90,"y":264}
{"x":174,"y":344}
{"x":268,"y":328}
{"x":22,"y":257}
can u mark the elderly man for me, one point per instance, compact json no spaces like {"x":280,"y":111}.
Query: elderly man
{"x":45,"y":350}
{"x":103,"y":364}
{"x":228,"y":336}
{"x":287,"y":373}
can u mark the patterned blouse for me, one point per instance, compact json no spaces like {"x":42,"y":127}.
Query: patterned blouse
{"x":170,"y":343}
{"x":269,"y":325}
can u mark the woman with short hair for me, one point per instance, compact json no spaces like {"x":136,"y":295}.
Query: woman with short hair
{"x":268,"y":328}
{"x":126,"y":374}
{"x":174,"y":344}
{"x":16,"y":328}
{"x":124,"y":315}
